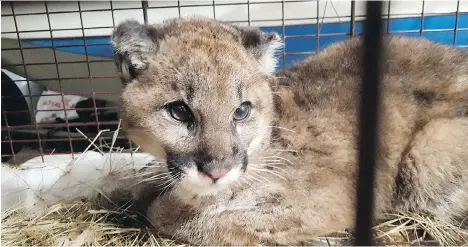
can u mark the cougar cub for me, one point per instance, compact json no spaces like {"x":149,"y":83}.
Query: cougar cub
{"x":252,"y":155}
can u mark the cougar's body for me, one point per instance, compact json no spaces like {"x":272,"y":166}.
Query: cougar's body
{"x":254,"y":156}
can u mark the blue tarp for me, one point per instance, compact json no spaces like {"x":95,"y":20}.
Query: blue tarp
{"x":100,"y":45}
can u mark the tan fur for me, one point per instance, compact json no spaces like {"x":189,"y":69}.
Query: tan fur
{"x":302,"y":184}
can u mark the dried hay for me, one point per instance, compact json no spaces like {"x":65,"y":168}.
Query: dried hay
{"x":75,"y":224}
{"x":407,"y":228}
{"x":78,"y":223}
{"x":82,"y":224}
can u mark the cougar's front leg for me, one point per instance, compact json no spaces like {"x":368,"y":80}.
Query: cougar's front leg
{"x":433,"y":175}
{"x":267,"y":214}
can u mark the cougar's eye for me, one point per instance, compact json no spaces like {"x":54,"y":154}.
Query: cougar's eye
{"x":243,"y":111}
{"x":180,"y":111}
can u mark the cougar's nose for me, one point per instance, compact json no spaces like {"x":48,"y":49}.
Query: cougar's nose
{"x":216,"y":174}
{"x":206,"y":165}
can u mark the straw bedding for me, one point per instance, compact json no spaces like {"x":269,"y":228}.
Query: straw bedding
{"x":82,"y":224}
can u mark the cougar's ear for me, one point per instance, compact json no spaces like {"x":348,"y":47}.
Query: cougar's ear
{"x":132,"y":44}
{"x":262,"y":46}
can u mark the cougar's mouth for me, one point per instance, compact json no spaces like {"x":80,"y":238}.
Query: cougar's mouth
{"x":204,"y":175}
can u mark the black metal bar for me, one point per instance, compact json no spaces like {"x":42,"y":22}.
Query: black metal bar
{"x":57,"y":29}
{"x":456,"y":24}
{"x":62,"y":125}
{"x":112,"y":13}
{"x":248,"y":12}
{"x":421,"y":29}
{"x":84,"y":94}
{"x":368,"y":121}
{"x":81,"y":109}
{"x":145,"y":11}
{"x":88,"y":67}
{"x":69,"y":78}
{"x":33,"y":110}
{"x":62,"y":97}
{"x":214,"y":10}
{"x":317,"y":33}
{"x":5,"y":120}
{"x":353,"y":17}
{"x":53,"y":63}
{"x":178,"y":7}
{"x":64,"y":12}
{"x":51,"y":46}
{"x":389,"y":11}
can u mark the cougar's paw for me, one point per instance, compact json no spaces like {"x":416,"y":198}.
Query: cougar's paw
{"x":239,"y":237}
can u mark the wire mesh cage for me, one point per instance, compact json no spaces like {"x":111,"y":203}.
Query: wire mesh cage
{"x":60,"y":86}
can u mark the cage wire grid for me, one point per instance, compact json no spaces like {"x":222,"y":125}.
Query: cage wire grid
{"x":316,"y":25}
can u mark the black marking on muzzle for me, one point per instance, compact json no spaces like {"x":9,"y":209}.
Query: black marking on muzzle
{"x":176,"y":162}
{"x":245,"y":162}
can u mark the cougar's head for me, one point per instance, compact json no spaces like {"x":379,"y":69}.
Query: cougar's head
{"x":197,"y":94}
